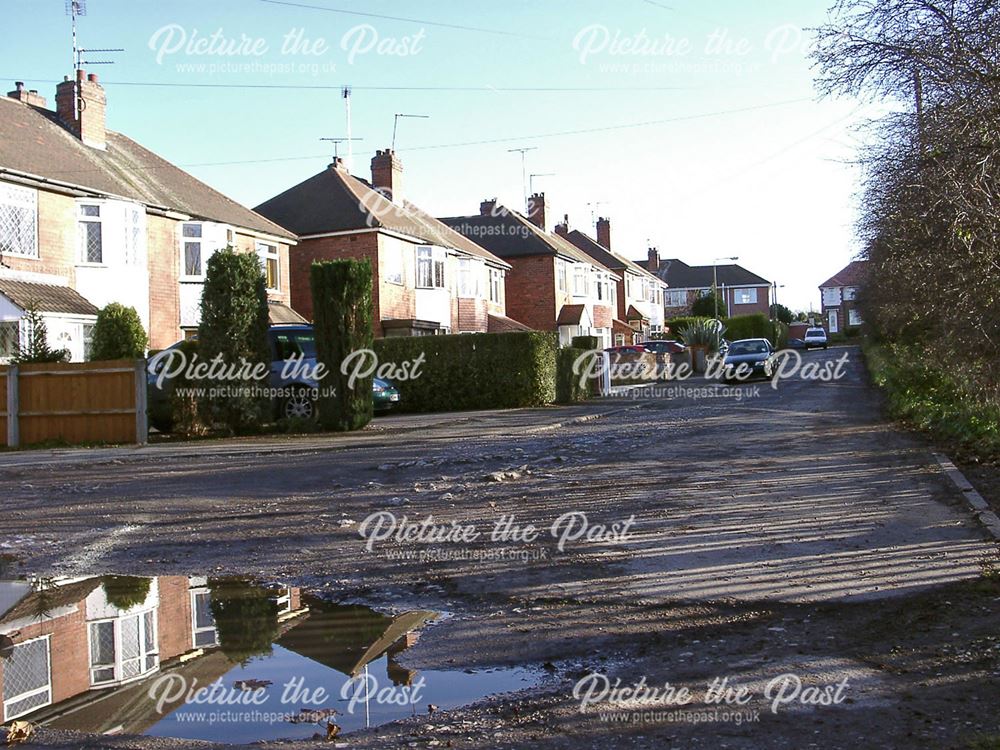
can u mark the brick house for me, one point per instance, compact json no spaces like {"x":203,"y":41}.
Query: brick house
{"x":65,"y":644}
{"x":552,"y":285}
{"x":840,"y":297}
{"x":639,"y":310}
{"x":744,"y":292}
{"x":426,"y":278}
{"x":89,"y":217}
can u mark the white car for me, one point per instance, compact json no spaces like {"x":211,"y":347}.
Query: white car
{"x":815,"y":337}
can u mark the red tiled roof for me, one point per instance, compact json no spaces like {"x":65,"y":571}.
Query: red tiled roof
{"x":851,"y":275}
{"x":503,"y":324}
{"x":570,"y":315}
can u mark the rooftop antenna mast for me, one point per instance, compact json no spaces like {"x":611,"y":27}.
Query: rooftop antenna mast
{"x":395,"y":124}
{"x":345,"y":93}
{"x":75,"y":9}
{"x":594,"y":208}
{"x":531,"y":179}
{"x":524,"y":170}
{"x":336,"y":145}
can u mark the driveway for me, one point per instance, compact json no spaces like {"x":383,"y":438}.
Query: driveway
{"x":769,"y":530}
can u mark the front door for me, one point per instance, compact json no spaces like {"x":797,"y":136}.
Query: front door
{"x":831,"y":316}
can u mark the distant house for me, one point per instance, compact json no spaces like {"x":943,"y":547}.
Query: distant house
{"x":743,"y":291}
{"x":89,"y":217}
{"x":553,"y":285}
{"x":639,"y":310}
{"x":840,"y":297}
{"x":426,"y":278}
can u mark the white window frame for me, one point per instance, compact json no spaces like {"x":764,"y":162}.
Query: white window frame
{"x":84,"y":221}
{"x":496,"y":286}
{"x":22,"y":202}
{"x":37,"y":691}
{"x":467,"y":286}
{"x":850,"y":293}
{"x":675,"y":298}
{"x":135,"y":235}
{"x":214,"y":237}
{"x":581,"y":286}
{"x":745,"y":296}
{"x":119,"y":678}
{"x":10,"y":339}
{"x":562,"y":280}
{"x":854,"y":317}
{"x":430,"y":268}
{"x":197,"y":629}
{"x":267,"y":252}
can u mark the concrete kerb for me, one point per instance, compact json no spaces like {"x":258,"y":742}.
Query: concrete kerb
{"x":980,"y":508}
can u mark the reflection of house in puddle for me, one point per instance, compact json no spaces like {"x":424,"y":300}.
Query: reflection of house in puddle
{"x":78,"y":653}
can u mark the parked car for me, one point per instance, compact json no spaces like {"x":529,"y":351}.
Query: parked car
{"x":796,"y":344}
{"x":749,"y":357}
{"x":815,"y":337}
{"x":298,"y":402}
{"x":629,"y":348}
{"x":664,"y":347}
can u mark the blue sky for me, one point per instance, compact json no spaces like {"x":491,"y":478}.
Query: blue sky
{"x":736,"y":156}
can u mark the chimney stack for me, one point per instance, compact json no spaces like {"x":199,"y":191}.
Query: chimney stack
{"x":338,"y":164}
{"x":488,"y":207}
{"x":27,"y":97}
{"x":536,"y":210}
{"x":387,"y":175}
{"x":604,"y":233}
{"x":653,"y":264}
{"x":81,"y":105}
{"x":563,"y":229}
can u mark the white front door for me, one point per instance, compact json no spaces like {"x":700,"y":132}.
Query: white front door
{"x":831,"y":316}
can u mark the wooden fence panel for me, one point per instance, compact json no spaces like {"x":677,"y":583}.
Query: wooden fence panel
{"x":3,"y":404}
{"x":81,"y":402}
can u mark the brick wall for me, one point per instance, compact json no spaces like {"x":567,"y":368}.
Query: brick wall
{"x":174,"y":617}
{"x":163,"y":252}
{"x":531,"y":292}
{"x":57,"y":238}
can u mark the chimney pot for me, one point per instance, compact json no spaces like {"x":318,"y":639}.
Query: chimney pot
{"x":81,"y":105}
{"x":487,"y":207}
{"x":536,"y":210}
{"x":604,"y":232}
{"x":92,"y":77}
{"x":653,"y":264}
{"x":19,"y":85}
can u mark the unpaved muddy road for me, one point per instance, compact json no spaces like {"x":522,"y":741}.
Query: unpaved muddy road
{"x":767,"y":533}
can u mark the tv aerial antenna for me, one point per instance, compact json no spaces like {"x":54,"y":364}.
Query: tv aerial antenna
{"x":336,"y":144}
{"x":76,"y":9}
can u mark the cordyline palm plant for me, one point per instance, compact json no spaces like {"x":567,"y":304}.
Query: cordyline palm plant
{"x":704,"y":332}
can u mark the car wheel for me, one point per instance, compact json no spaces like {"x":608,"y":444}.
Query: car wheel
{"x":300,"y":405}
{"x":824,"y":347}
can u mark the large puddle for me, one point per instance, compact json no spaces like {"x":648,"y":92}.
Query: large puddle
{"x":214,"y":659}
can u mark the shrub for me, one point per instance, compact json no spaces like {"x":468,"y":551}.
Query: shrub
{"x":342,"y":320}
{"x":589,"y":343}
{"x":118,"y":334}
{"x":36,"y":346}
{"x":175,"y":412}
{"x":246,"y":618}
{"x":703,"y":332}
{"x":709,"y":305}
{"x":674,"y":326}
{"x":569,"y":389}
{"x":755,"y":326}
{"x":475,"y":371}
{"x":234,"y":325}
{"x":782,"y":313}
{"x":125,"y":592}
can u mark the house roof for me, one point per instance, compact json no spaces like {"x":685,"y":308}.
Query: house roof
{"x":570,"y":315}
{"x":280,"y":314}
{"x":852,"y":274}
{"x":503,"y":324}
{"x":604,"y":256}
{"x":336,"y":201}
{"x":508,"y":234}
{"x":633,"y":314}
{"x":36,"y":145}
{"x":679,"y":275}
{"x":47,"y":298}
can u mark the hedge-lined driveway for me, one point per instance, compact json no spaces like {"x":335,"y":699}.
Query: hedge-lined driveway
{"x":760,"y":517}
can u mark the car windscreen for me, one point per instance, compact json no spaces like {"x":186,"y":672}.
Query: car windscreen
{"x":748,"y":347}
{"x":815,"y":332}
{"x":288,"y":344}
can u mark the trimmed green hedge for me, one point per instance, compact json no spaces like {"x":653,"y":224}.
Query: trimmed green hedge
{"x":568,"y":387}
{"x":474,"y":371}
{"x":585,"y":342}
{"x":756,"y":326}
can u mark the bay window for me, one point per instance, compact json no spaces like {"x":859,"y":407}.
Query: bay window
{"x":496,"y":285}
{"x":466,"y":279}
{"x":561,"y":272}
{"x":18,"y":221}
{"x":123,"y":648}
{"x":580,"y":280}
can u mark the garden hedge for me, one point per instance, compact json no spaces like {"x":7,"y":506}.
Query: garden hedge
{"x":568,"y":387}
{"x":474,"y":371}
{"x":589,"y":343}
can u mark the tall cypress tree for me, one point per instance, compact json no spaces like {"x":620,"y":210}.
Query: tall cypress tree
{"x":342,"y":319}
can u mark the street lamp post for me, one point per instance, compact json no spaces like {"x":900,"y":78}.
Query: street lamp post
{"x":715,"y":280}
